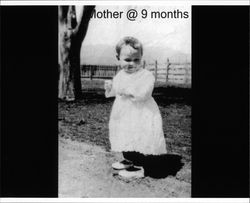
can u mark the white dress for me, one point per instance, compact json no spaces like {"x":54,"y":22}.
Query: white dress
{"x":135,"y":123}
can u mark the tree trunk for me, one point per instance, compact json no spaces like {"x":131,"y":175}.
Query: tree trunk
{"x":71,"y":35}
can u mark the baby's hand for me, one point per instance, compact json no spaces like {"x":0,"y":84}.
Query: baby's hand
{"x":108,"y":85}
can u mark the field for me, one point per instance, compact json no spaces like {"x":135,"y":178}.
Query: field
{"x":84,"y":147}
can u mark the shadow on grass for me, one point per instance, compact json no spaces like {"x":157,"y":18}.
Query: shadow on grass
{"x":168,"y":95}
{"x":163,"y":165}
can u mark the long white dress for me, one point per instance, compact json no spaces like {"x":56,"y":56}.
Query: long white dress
{"x":135,"y":123}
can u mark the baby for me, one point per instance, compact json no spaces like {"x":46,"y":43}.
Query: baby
{"x":135,"y":126}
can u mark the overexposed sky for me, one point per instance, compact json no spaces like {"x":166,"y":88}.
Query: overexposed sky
{"x":174,"y":34}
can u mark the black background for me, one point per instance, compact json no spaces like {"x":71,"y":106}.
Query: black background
{"x":220,"y":104}
{"x":220,"y":125}
{"x":29,"y":157}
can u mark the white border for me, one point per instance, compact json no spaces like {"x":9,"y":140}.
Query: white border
{"x":131,"y":2}
{"x":168,"y":200}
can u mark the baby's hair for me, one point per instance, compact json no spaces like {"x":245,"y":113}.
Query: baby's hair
{"x":133,"y":42}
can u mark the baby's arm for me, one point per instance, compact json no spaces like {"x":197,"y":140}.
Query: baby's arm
{"x":110,"y":89}
{"x":126,"y":95}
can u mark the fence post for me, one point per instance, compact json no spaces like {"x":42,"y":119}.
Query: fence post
{"x":144,"y":64}
{"x":91,"y":72}
{"x":168,"y":66}
{"x":155,"y":70}
{"x":186,"y":74}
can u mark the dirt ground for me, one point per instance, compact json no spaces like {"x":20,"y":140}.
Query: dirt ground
{"x":84,"y":150}
{"x":85,"y":171}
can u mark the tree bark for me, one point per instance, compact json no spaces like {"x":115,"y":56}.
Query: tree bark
{"x":71,"y":35}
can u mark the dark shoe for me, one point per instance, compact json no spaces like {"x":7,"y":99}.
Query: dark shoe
{"x":122,"y":165}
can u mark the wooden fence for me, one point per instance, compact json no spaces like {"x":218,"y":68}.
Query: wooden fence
{"x":168,"y":72}
{"x":98,"y":71}
{"x":171,"y":72}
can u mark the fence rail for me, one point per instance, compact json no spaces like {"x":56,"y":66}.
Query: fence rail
{"x":98,"y":71}
{"x":169,"y":72}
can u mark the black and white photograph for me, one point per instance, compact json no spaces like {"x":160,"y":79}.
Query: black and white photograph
{"x":129,"y":101}
{"x":124,"y":108}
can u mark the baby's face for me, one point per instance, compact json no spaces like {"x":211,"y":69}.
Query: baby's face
{"x":130,"y":59}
